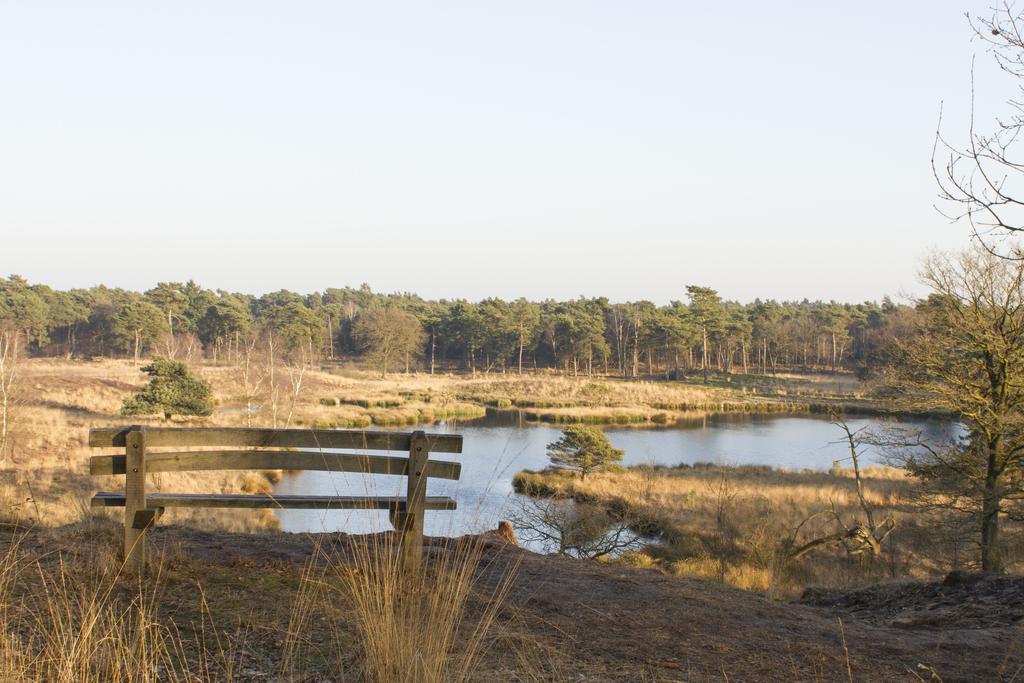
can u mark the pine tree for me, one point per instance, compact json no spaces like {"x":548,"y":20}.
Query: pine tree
{"x":174,"y":390}
{"x":583,"y":449}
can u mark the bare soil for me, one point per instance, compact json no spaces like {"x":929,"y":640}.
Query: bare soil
{"x":575,"y":620}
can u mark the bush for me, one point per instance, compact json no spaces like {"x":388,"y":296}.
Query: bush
{"x":328,"y":401}
{"x":174,"y":390}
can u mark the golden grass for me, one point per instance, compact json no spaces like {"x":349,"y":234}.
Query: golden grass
{"x":68,"y":615}
{"x":62,"y":399}
{"x":412,"y":627}
{"x":735,"y":524}
{"x":71,"y":629}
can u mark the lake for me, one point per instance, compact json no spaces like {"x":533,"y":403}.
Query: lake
{"x":499,"y":445}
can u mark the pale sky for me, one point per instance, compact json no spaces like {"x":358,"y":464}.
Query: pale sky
{"x":539,"y":149}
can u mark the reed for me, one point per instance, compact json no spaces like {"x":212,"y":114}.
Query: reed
{"x":413,"y":627}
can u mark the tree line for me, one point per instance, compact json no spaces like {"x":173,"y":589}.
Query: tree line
{"x":700,"y":332}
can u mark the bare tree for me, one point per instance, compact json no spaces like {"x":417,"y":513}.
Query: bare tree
{"x":252,"y":373}
{"x":296,"y":364}
{"x":966,"y":357}
{"x":558,"y":524}
{"x":10,"y":356}
{"x":282,"y":370}
{"x":271,"y":361}
{"x":859,"y":536}
{"x":982,"y":181}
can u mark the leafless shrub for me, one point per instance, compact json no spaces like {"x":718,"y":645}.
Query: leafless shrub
{"x":582,"y":530}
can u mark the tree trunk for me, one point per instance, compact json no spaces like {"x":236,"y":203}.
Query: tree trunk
{"x":330,"y":338}
{"x":433,"y":336}
{"x":991,"y":560}
{"x":704,"y":352}
{"x":833,"y":353}
{"x":636,"y":349}
{"x":522,"y":343}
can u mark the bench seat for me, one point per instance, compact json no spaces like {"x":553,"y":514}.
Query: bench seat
{"x":155,"y":449}
{"x":159,"y":500}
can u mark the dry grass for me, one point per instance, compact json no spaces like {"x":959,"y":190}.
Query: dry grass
{"x":72,"y":629}
{"x":67,"y":614}
{"x":62,"y":399}
{"x":411,"y":627}
{"x":737,"y":524}
{"x":251,"y":607}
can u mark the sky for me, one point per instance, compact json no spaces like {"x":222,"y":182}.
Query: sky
{"x":464,"y":150}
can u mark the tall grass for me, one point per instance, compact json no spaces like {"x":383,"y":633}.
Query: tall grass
{"x":414,"y":627}
{"x":68,"y":616}
{"x":70,"y":630}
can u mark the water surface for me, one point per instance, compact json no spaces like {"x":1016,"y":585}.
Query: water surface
{"x":501,"y":444}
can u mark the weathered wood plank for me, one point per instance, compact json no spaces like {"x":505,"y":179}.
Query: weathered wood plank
{"x":147,"y":518}
{"x":156,"y":500}
{"x":412,"y":523}
{"x":193,"y":461}
{"x":352,"y":439}
{"x":135,"y":501}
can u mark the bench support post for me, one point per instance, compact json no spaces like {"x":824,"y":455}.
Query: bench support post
{"x":134,"y":501}
{"x":415,"y":504}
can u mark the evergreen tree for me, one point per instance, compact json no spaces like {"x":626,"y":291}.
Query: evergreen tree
{"x":583,"y":449}
{"x":706,"y":309}
{"x":172,"y":391}
{"x":138,"y":324}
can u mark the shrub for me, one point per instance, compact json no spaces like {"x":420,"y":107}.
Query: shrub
{"x":174,"y":390}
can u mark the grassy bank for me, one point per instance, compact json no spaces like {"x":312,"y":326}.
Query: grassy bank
{"x":740,"y":525}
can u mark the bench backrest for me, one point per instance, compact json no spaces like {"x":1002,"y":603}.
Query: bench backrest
{"x":254,"y":449}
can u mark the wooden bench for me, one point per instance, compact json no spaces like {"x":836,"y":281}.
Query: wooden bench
{"x":252,"y":449}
